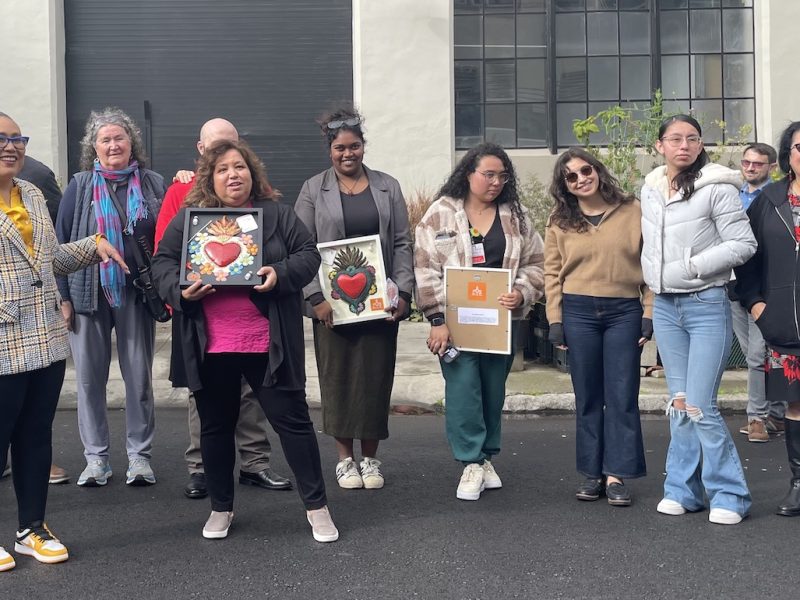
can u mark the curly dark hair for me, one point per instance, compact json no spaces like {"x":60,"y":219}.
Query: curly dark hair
{"x":684,"y":181}
{"x":785,"y":148}
{"x":343,"y":113}
{"x":566,"y":211}
{"x":203,"y":195}
{"x":457,"y":184}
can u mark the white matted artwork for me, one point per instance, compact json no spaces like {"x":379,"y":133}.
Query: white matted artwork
{"x":476,"y":320}
{"x":353,"y":279}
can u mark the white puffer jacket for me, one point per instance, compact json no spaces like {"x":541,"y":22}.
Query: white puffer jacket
{"x":691,"y":245}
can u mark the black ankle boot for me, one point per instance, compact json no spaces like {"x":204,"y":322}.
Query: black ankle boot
{"x":790,"y":505}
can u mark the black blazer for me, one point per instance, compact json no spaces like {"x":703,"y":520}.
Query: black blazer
{"x":290,"y":250}
{"x":772,"y":275}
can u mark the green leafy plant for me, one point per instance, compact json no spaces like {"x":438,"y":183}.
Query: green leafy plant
{"x":628,"y":138}
{"x":536,"y":199}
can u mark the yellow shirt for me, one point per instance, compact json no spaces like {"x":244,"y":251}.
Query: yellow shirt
{"x":18,"y":214}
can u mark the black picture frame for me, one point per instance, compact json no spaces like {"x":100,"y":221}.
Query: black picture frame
{"x":207,"y":254}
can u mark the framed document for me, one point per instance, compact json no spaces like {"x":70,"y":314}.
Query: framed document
{"x":353,"y":279}
{"x":222,"y":246}
{"x":476,"y":320}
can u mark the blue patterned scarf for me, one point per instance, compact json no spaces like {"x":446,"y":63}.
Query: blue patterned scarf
{"x":109,"y":223}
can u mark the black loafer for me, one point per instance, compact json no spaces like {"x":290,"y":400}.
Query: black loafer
{"x":590,"y":490}
{"x":196,"y":488}
{"x":618,"y":494}
{"x":267,"y":479}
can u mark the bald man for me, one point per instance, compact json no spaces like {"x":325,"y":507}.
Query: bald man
{"x":251,"y":429}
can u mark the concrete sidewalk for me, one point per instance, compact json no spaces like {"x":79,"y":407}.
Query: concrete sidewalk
{"x":418,"y":380}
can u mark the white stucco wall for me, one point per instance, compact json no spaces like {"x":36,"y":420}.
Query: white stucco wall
{"x":777,"y":83}
{"x":33,"y":89}
{"x":403,"y":84}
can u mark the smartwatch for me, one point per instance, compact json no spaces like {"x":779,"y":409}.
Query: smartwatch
{"x":437,"y":321}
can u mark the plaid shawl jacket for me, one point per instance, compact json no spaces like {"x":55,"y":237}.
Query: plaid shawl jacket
{"x":32,"y":333}
{"x":443,"y":240}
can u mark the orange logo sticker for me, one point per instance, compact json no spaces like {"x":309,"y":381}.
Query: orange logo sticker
{"x":476,"y":290}
{"x":376,"y":304}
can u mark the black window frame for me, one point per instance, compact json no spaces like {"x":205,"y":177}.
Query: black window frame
{"x":655,"y":9}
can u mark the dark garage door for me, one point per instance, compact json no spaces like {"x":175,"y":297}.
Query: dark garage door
{"x":270,"y":66}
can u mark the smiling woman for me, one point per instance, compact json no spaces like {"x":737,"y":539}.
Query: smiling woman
{"x":117,"y":196}
{"x":346,"y":201}
{"x":253,"y":333}
{"x":599,"y":307}
{"x":33,"y":340}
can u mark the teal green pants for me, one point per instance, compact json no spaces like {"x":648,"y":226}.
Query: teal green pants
{"x":475,"y":390}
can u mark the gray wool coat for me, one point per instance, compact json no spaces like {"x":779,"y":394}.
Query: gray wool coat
{"x":319,"y":207}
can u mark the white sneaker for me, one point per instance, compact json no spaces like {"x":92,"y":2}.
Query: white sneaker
{"x":471,"y":484}
{"x":371,"y":473}
{"x":322,"y":527}
{"x":347,"y":475}
{"x":217,"y":525}
{"x":139,"y":472}
{"x":7,"y":561}
{"x":670,"y":507}
{"x":491,"y":480}
{"x":96,"y":474}
{"x":723,"y":516}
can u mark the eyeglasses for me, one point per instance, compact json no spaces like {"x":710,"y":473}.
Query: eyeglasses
{"x":19,"y":141}
{"x":491,"y":176}
{"x":572,"y":177}
{"x":674,"y":141}
{"x":746,"y":164}
{"x":343,"y":123}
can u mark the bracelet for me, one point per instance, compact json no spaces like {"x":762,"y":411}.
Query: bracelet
{"x":98,"y":237}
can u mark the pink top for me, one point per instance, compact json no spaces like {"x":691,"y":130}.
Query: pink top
{"x":234,"y":323}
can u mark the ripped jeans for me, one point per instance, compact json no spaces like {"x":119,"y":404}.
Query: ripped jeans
{"x":694,"y":335}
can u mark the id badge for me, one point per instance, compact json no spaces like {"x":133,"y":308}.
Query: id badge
{"x":478,"y":254}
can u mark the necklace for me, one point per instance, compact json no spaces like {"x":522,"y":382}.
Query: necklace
{"x":348,"y":189}
{"x":480,"y":211}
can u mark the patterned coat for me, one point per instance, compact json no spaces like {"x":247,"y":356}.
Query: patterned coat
{"x":443,"y":240}
{"x":32,"y":333}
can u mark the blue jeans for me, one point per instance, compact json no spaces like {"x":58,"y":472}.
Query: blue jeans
{"x":694,"y":338}
{"x":603,"y":335}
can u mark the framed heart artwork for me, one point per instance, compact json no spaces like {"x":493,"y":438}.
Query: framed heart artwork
{"x":222,"y":246}
{"x":353,"y":279}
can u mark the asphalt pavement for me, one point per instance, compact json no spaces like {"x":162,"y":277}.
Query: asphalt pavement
{"x":412,"y":539}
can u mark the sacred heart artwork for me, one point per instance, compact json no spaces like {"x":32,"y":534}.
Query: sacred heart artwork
{"x":222,"y":247}
{"x":353,"y":279}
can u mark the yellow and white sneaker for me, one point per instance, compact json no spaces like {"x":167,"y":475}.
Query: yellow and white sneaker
{"x":6,"y":560}
{"x":41,"y":544}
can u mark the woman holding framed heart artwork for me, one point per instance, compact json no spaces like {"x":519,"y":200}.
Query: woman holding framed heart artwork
{"x":356,"y":361}
{"x":255,"y":332}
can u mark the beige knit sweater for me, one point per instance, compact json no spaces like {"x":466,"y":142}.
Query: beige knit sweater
{"x":603,"y":261}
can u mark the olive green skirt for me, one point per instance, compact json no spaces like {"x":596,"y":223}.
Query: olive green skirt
{"x":356,"y":372}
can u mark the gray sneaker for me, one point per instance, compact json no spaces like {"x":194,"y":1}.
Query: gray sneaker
{"x":139,"y":472}
{"x":96,"y":474}
{"x":217,"y":525}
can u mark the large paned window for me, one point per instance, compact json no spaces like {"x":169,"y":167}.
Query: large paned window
{"x":525,"y":69}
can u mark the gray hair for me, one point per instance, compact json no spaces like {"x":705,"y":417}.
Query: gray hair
{"x":110,"y":116}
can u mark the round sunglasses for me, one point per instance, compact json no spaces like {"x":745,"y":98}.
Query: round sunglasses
{"x":572,"y":176}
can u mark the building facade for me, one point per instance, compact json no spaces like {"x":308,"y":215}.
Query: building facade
{"x":432,"y":77}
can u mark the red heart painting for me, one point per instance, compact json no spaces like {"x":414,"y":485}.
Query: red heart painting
{"x":222,"y":254}
{"x":352,"y":285}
